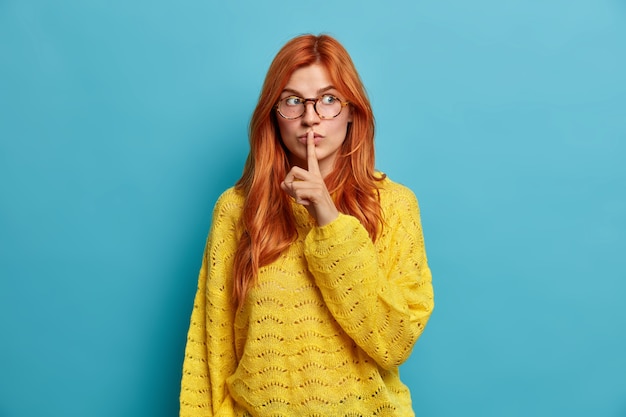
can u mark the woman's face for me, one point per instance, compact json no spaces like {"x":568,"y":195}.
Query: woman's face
{"x":313,"y":82}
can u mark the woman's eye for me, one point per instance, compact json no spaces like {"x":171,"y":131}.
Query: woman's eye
{"x":293,"y":101}
{"x":328,"y":99}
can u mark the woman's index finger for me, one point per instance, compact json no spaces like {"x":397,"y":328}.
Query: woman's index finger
{"x":312,"y":164}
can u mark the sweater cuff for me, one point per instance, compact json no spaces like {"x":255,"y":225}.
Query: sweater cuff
{"x":342,"y":225}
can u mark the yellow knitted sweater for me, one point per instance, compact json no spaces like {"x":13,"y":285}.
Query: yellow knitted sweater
{"x":324,"y":329}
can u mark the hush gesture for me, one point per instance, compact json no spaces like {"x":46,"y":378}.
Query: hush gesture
{"x":308,"y":188}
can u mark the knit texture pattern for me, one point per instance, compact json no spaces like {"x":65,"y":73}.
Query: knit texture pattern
{"x":325,"y":327}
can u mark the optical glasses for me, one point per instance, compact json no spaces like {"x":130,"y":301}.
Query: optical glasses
{"x":326,"y":106}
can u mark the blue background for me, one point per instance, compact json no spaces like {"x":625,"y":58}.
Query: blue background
{"x":121,"y":123}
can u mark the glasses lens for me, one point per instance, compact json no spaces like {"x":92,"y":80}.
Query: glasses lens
{"x":328,"y":106}
{"x":291,"y":107}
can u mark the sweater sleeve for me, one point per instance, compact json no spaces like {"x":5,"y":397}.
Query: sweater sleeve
{"x":210,"y":355}
{"x":381,"y":295}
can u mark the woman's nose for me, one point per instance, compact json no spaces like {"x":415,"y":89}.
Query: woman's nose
{"x":310,"y":116}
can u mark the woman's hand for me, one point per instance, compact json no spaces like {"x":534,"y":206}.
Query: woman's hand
{"x":307,"y":187}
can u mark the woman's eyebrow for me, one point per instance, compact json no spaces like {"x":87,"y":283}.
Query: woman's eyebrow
{"x":325,"y":89}
{"x":291,"y":91}
{"x":299,"y":94}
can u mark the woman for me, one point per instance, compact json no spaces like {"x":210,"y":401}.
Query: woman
{"x":314,"y":285}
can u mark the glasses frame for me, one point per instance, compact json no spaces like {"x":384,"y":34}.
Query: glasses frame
{"x":314,"y":101}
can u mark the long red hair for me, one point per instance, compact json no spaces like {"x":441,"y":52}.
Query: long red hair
{"x":267,"y":220}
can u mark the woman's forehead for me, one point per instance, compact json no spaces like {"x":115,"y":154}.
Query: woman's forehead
{"x":310,"y":81}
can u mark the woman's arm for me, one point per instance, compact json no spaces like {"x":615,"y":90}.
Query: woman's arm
{"x":381,"y":294}
{"x":210,"y":352}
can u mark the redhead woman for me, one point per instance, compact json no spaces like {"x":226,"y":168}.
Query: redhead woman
{"x":314,"y":285}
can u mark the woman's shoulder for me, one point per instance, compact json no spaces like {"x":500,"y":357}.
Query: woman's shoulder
{"x":392,"y":192}
{"x":229,"y":204}
{"x":232,"y":195}
{"x":398,"y":203}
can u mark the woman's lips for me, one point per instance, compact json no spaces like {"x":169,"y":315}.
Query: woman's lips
{"x":316,"y":138}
